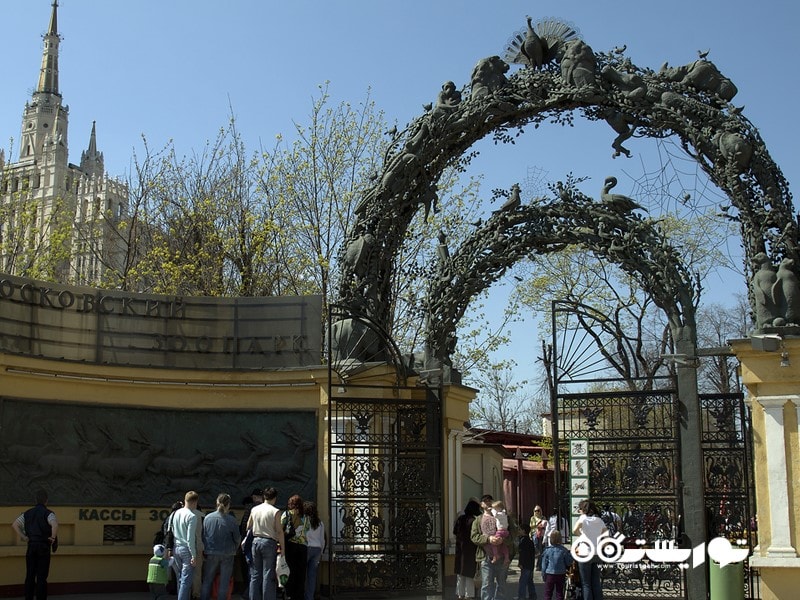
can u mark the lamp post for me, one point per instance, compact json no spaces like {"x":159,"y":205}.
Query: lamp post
{"x":520,"y":457}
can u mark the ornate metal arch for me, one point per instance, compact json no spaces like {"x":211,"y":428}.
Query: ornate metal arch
{"x":608,"y":228}
{"x":691,"y":102}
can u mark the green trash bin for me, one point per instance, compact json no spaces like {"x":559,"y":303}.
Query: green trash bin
{"x":726,"y":583}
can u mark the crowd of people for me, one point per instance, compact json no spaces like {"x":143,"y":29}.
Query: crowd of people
{"x":485,"y":543}
{"x":199,"y":550}
{"x":487,"y":537}
{"x":196,"y":552}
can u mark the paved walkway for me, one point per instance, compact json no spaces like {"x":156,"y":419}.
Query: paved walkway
{"x":511,"y":592}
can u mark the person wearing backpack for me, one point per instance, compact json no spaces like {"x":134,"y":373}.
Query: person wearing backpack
{"x":611,"y":519}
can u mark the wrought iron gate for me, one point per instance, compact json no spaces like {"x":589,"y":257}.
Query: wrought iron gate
{"x":633,"y":473}
{"x":384,"y":460}
{"x":728,"y":461}
{"x":634,"y":461}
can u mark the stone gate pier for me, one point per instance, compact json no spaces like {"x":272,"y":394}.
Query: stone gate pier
{"x":770,"y":371}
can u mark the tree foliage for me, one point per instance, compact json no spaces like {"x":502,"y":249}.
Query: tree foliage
{"x":35,"y":240}
{"x":227,"y":221}
{"x":198,"y":225}
{"x":716,"y":325}
{"x":627,"y":329}
{"x":503,"y":404}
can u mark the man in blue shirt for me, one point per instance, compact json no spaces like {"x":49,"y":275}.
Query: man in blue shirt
{"x":221,"y":538}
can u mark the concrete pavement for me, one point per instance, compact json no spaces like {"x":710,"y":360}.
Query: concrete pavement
{"x":449,"y":593}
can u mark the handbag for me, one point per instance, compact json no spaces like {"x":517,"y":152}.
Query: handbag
{"x":289,"y":530}
{"x":169,"y":537}
{"x":247,"y":547}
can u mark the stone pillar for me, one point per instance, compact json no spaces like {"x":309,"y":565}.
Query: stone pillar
{"x":459,"y":489}
{"x":453,"y":455}
{"x":777,"y":476}
{"x":692,"y":467}
{"x":455,"y":413}
{"x":772,"y":379}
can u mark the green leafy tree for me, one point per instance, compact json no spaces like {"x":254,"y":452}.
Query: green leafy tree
{"x":35,"y":241}
{"x":311,"y":186}
{"x":199,"y":225}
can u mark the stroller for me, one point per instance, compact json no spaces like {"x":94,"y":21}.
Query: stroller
{"x":572,"y":590}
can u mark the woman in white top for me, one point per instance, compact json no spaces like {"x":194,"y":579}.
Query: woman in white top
{"x":591,"y":526}
{"x":316,"y":538}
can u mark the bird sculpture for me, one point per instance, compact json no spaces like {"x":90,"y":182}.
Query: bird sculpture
{"x":533,"y":48}
{"x":514,"y":201}
{"x":616,"y":202}
{"x":539,"y":43}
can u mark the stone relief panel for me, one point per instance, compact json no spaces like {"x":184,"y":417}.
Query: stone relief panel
{"x":114,"y":456}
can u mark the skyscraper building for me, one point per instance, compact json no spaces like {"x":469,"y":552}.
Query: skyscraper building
{"x":58,"y":221}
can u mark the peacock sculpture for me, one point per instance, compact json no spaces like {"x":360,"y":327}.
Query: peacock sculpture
{"x":539,"y":43}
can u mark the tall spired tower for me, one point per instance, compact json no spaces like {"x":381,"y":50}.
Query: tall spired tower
{"x":58,"y":221}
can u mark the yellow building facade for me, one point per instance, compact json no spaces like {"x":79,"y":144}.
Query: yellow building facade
{"x":117,"y":404}
{"x":771,"y":374}
{"x":92,"y":552}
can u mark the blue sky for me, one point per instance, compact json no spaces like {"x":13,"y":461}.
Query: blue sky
{"x":171,"y":69}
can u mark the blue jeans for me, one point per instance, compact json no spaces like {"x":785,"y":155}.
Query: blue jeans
{"x":263,"y":583}
{"x":590,"y":580}
{"x":526,"y":587}
{"x":493,"y":579}
{"x":212,"y":564}
{"x":183,"y":563}
{"x":538,"y":548}
{"x":312,"y":564}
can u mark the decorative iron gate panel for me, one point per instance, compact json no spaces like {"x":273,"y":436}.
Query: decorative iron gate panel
{"x":385,"y":470}
{"x":728,"y":460}
{"x":386,"y":492}
{"x":633,"y":472}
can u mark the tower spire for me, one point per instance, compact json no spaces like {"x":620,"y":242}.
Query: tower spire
{"x":48,"y":75}
{"x":53,"y":29}
{"x":93,"y":140}
{"x":91,"y":159}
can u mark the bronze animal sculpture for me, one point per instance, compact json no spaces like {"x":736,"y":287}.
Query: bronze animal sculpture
{"x":617,"y":202}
